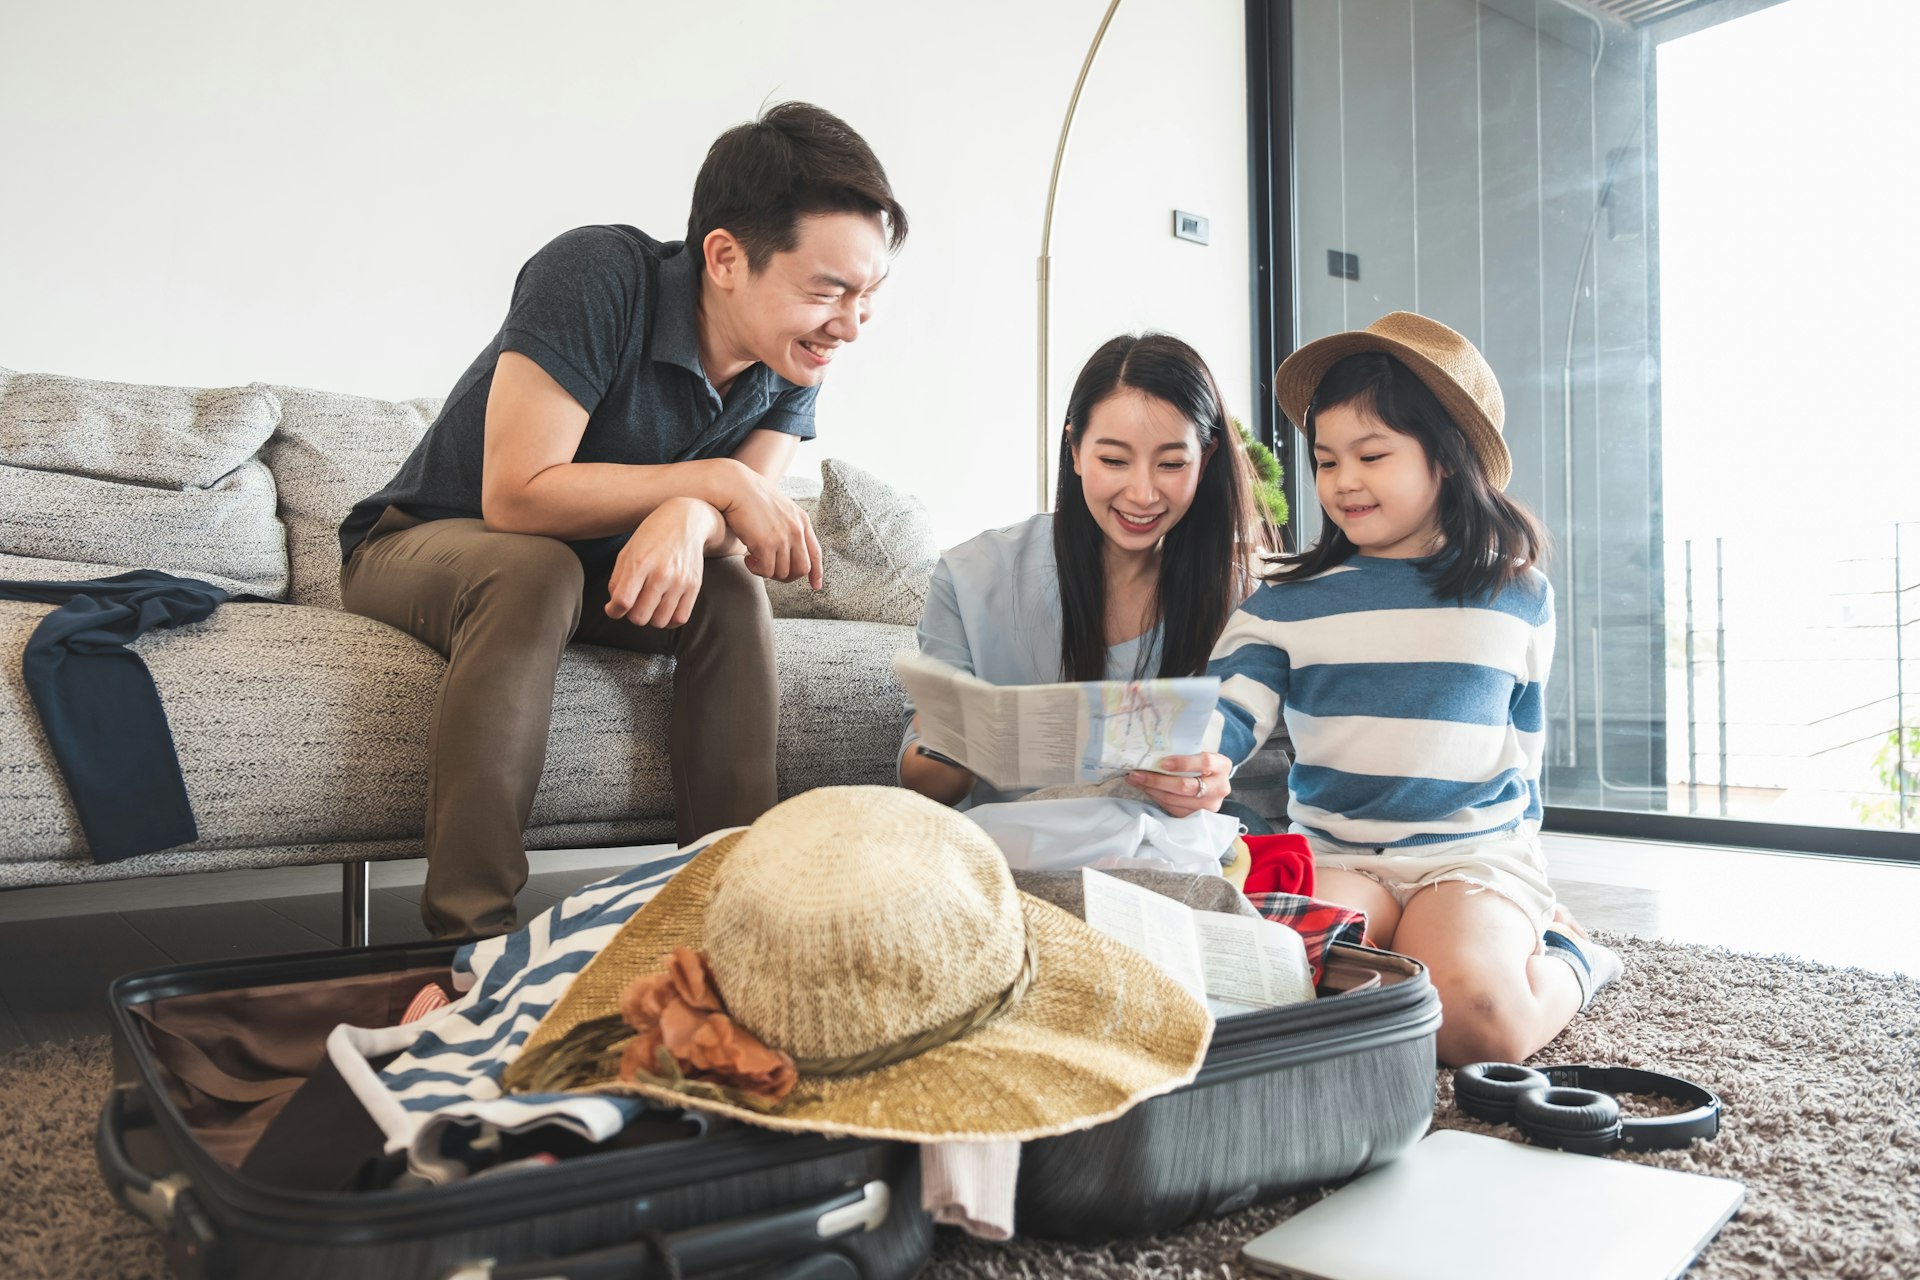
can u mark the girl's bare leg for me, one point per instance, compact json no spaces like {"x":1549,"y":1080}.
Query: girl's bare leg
{"x":1351,"y":889}
{"x":1500,"y":1001}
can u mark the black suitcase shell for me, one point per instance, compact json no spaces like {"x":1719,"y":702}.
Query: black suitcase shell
{"x":738,"y":1201}
{"x":1288,"y":1098}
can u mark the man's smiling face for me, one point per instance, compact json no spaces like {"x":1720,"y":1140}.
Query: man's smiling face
{"x":802,"y":305}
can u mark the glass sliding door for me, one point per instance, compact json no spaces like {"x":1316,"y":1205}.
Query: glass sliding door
{"x":1791,"y":467}
{"x":1678,"y":233}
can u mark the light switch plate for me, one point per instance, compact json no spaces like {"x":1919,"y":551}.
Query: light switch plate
{"x":1190,"y":226}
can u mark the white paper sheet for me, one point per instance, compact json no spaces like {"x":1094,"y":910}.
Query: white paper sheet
{"x":1158,"y":928}
{"x":1234,"y":963}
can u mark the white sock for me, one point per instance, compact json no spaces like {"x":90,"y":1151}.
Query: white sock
{"x":1594,"y":965}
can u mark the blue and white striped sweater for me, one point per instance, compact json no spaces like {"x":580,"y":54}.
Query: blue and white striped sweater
{"x":1414,"y":720}
{"x":442,"y":1094}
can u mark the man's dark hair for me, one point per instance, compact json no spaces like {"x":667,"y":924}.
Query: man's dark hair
{"x":761,"y":178}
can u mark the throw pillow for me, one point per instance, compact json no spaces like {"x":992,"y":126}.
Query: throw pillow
{"x":330,"y":451}
{"x":877,"y":552}
{"x":105,"y":477}
{"x":225,"y":534}
{"x":171,"y":437}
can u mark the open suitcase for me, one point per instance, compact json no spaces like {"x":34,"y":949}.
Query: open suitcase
{"x":736,"y":1201}
{"x":1288,"y":1098}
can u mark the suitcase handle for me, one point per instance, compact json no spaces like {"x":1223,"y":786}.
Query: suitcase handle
{"x":151,"y":1197}
{"x":782,"y":1234}
{"x":166,"y":1203}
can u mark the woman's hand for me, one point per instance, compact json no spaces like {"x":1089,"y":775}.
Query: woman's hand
{"x":1181,"y":796}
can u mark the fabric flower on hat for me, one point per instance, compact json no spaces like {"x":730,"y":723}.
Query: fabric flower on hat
{"x":679,"y":1014}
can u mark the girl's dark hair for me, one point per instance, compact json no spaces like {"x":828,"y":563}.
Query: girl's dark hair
{"x":1205,"y":559}
{"x":760,"y":178}
{"x":1489,"y":540}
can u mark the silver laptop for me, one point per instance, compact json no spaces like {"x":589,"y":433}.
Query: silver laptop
{"x":1463,"y":1206}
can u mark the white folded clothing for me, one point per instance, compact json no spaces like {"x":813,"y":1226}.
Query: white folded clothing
{"x":1107,"y":832}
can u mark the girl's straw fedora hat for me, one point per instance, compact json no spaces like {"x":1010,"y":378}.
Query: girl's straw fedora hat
{"x":1450,"y":366}
{"x":876,"y":938}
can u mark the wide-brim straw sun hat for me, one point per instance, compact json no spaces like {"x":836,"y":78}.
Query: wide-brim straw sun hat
{"x":850,"y":926}
{"x":1457,"y":374}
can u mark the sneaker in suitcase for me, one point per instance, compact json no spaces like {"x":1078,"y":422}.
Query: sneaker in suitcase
{"x":736,"y":1200}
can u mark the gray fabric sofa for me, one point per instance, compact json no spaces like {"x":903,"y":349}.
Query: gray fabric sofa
{"x":301,"y":729}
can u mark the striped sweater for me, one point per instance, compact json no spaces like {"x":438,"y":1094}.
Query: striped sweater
{"x":441,"y":1099}
{"x":1414,"y":720}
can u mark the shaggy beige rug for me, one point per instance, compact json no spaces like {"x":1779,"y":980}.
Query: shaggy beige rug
{"x":1819,"y":1069}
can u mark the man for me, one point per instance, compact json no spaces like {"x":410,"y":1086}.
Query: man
{"x":608,"y":471}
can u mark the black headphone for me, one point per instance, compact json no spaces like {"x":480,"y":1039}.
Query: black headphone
{"x":1573,"y":1109}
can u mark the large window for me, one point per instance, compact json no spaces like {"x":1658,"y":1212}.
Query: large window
{"x":1792,"y":472}
{"x":1683,"y":244}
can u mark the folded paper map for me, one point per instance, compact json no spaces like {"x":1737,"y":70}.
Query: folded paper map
{"x":1045,"y":735}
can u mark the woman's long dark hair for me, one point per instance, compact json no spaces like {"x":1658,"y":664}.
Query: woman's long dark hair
{"x":1489,"y":540}
{"x":1204,"y":559}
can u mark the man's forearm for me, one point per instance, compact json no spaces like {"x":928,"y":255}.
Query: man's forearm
{"x":703,"y":520}
{"x":577,"y":500}
{"x":720,"y":540}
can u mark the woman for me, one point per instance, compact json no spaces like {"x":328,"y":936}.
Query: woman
{"x":1150,"y":547}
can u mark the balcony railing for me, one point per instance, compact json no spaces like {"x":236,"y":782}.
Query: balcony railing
{"x":1795,"y":667}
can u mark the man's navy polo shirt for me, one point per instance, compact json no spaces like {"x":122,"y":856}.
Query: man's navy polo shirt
{"x":581,"y":311}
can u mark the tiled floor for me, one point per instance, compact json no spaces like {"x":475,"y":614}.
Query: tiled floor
{"x":59,"y":947}
{"x":1833,"y":910}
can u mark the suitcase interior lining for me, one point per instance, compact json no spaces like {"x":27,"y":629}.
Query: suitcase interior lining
{"x":230,"y":1072}
{"x":231,"y":1059}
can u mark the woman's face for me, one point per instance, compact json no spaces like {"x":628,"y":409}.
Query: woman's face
{"x":1139,"y":464}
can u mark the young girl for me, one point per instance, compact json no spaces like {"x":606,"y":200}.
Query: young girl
{"x":1408,"y":650}
{"x":1132,"y":575}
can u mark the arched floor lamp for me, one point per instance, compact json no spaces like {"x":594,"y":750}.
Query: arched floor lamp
{"x":1045,"y":429}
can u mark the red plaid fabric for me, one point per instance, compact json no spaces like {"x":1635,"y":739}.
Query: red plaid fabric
{"x":1318,"y":922}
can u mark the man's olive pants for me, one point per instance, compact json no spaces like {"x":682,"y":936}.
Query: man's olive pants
{"x":501,"y":607}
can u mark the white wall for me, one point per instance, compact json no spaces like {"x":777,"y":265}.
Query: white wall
{"x":339,"y":195}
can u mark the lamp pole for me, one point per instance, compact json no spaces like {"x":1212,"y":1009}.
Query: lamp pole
{"x":1044,"y":432}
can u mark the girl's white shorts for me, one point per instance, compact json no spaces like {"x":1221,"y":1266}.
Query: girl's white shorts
{"x":1509,"y":863}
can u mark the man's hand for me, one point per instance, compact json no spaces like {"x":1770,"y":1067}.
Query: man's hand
{"x":777,"y":534}
{"x":657,"y":577}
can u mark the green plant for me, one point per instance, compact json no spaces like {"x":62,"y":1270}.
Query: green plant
{"x":1266,"y":476}
{"x":1902,"y":788}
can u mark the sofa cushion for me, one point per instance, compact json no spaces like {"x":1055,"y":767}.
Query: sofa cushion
{"x":291,"y":725}
{"x":607,"y":748}
{"x":111,"y":476}
{"x":877,"y":552}
{"x":329,"y":452}
{"x":840,"y":702}
{"x":225,"y":534}
{"x":299,"y":726}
